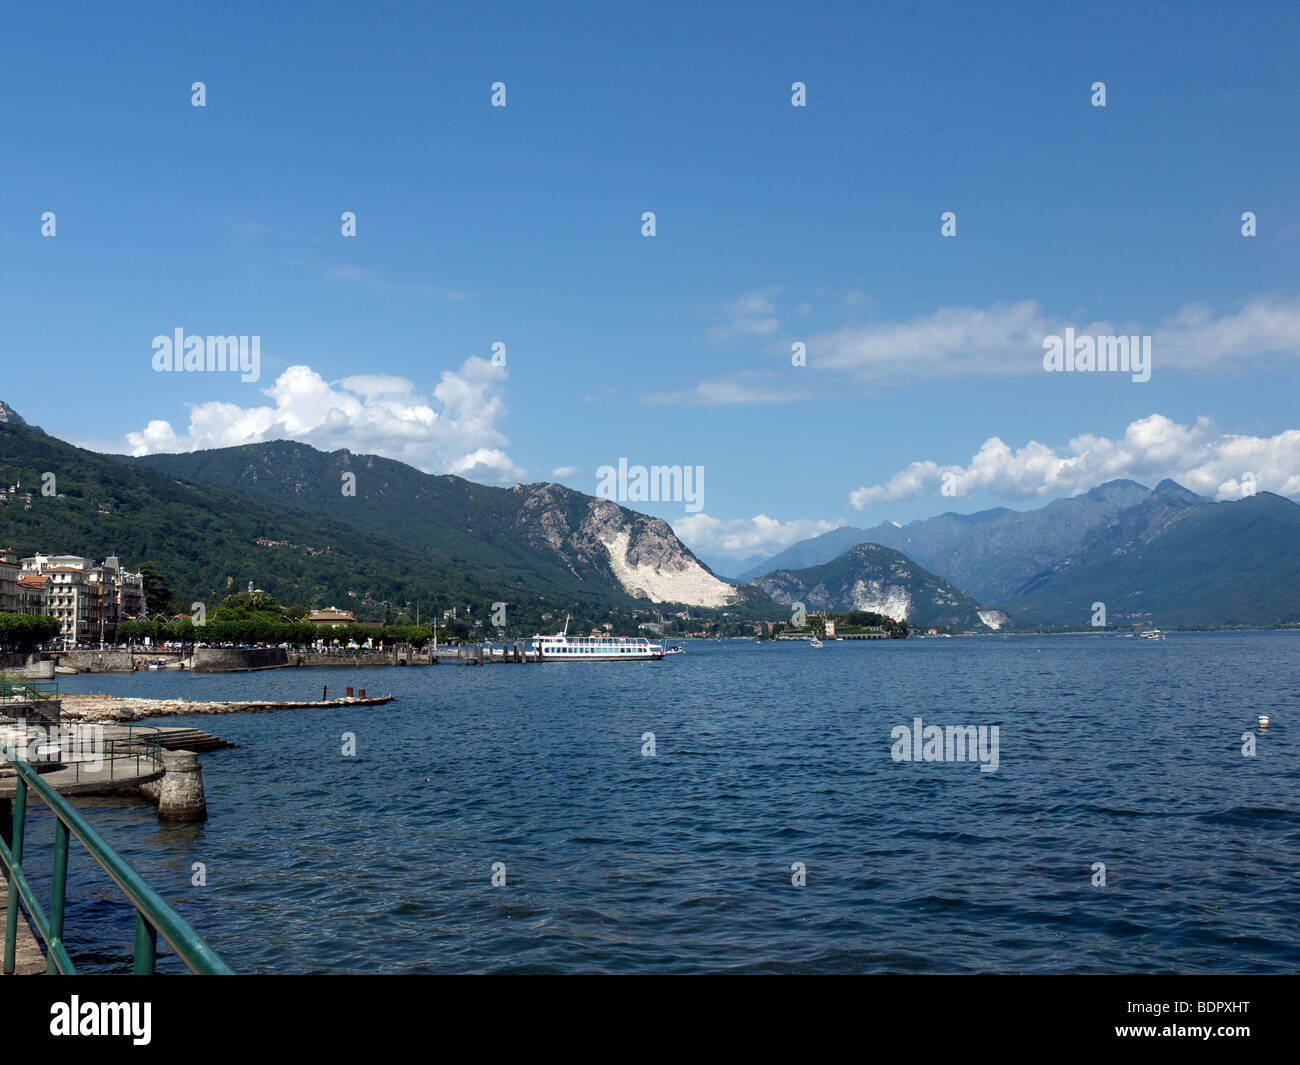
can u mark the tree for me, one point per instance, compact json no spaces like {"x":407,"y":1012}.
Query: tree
{"x":22,"y":632}
{"x":158,"y":595}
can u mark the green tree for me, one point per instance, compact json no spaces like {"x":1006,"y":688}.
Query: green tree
{"x":158,"y":595}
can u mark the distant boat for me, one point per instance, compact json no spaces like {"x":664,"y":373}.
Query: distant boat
{"x":815,"y":643}
{"x":565,"y":648}
{"x":1153,"y":634}
{"x":675,"y":650}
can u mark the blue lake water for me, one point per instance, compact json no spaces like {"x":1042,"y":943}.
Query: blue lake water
{"x":1111,"y":750}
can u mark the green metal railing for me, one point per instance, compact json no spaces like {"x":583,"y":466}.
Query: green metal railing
{"x":28,"y":690}
{"x":153,"y":915}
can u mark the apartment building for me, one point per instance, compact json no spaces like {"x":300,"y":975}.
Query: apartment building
{"x":9,"y":572}
{"x":88,"y":600}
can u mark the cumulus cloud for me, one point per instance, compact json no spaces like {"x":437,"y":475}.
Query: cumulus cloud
{"x":1198,"y":456}
{"x":454,"y":431}
{"x":745,"y":536}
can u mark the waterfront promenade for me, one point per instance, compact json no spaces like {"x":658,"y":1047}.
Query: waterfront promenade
{"x":28,"y":959}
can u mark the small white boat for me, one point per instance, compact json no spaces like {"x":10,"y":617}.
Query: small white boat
{"x":1153,"y":634}
{"x":675,"y":650}
{"x":815,"y":643}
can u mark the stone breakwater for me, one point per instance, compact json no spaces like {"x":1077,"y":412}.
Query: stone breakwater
{"x":110,"y":708}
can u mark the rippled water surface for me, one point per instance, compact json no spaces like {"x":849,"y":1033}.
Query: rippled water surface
{"x":1111,"y":750}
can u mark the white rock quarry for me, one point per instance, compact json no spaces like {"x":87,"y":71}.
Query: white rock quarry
{"x":994,"y":619}
{"x":679,"y":579}
{"x":892,"y":600}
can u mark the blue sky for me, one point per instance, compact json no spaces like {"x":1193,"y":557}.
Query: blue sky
{"x":775,"y":225}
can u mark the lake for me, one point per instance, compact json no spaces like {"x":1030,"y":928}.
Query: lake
{"x":771,"y":829}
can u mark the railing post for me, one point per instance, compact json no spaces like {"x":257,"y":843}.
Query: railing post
{"x":58,"y":890}
{"x":146,"y":946}
{"x":16,"y":857}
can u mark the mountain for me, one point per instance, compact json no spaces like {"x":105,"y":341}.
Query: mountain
{"x":872,"y":577}
{"x":1177,"y":560}
{"x":404,"y":536}
{"x":10,"y":416}
{"x":543,"y":533}
{"x":994,"y":553}
{"x":811,"y":552}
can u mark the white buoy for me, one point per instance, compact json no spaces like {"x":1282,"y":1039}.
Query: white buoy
{"x":1263,"y":720}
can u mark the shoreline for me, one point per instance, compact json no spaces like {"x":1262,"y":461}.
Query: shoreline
{"x":105,"y":709}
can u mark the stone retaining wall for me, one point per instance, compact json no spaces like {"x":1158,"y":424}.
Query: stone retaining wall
{"x":230,"y":659}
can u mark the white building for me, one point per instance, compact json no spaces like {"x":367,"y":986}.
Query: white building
{"x":89,"y":600}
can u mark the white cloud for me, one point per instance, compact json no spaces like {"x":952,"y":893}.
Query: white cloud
{"x":1001,"y":339}
{"x":726,"y":392}
{"x":1153,"y":448}
{"x":752,"y":314}
{"x":1007,"y":338}
{"x":562,"y":472}
{"x":454,"y":431}
{"x":745,"y":536}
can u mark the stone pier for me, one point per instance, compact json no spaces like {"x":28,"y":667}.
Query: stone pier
{"x":179,"y":793}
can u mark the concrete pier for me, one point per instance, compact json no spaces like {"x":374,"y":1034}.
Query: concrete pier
{"x":180,"y":792}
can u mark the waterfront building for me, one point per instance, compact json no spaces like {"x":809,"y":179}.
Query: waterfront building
{"x":8,"y":581}
{"x":333,"y":617}
{"x":31,"y":595}
{"x":89,"y":600}
{"x":65,"y":597}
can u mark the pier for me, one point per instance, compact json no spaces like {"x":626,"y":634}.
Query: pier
{"x":475,"y":654}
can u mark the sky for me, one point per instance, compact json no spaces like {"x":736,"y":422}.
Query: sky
{"x":923,"y":387}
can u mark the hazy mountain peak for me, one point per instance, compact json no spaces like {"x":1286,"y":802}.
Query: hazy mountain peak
{"x":1172,"y":488}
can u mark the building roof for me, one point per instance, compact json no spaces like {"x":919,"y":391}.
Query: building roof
{"x":332,"y":614}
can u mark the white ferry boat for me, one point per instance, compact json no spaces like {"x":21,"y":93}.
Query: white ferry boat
{"x":566,"y":648}
{"x":1153,"y":634}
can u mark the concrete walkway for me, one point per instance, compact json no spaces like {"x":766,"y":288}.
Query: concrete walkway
{"x":28,"y":959}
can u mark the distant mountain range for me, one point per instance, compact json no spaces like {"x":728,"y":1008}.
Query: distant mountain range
{"x":991,"y":553}
{"x":1162,"y":556}
{"x":339,"y":523}
{"x":343,"y":522}
{"x":1177,"y":560}
{"x":880,"y":579}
